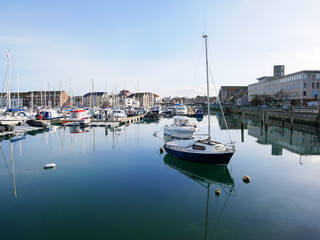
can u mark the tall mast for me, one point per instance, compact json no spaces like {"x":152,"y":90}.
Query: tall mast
{"x":31,"y":105}
{"x":70,"y":96}
{"x":60,"y":98}
{"x":8,"y":85}
{"x":82,"y":92}
{"x":45,"y":93}
{"x":207,"y":72}
{"x":91,"y":103}
{"x":18,"y":90}
{"x":54,"y":100}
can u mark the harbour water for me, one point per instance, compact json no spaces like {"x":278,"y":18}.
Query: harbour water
{"x":114,"y":184}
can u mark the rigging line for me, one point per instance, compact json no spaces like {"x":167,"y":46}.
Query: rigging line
{"x":6,"y":163}
{"x":200,"y":56}
{"x":4,"y":81}
{"x":214,"y":229}
{"x":224,"y":118}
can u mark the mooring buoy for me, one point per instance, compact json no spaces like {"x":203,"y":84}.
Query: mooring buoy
{"x":217,"y":192}
{"x":161,"y":150}
{"x":246,"y":179}
{"x":50,"y":166}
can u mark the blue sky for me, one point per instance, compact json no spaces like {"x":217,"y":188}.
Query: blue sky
{"x":155,"y":45}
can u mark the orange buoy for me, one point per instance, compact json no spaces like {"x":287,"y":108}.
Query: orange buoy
{"x":246,"y":179}
{"x":217,"y":192}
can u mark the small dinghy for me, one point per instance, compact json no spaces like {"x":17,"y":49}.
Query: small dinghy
{"x":50,"y":166}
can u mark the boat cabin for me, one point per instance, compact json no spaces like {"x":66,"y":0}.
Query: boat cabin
{"x":78,"y":114}
{"x":181,"y":121}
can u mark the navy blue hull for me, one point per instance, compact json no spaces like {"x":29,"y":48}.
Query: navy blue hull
{"x":216,"y":159}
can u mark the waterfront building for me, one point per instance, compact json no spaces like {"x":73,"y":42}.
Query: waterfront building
{"x":131,"y":102}
{"x":157,"y":99}
{"x":294,"y":88}
{"x":228,"y":94}
{"x":146,"y":99}
{"x":99,"y":99}
{"x":36,"y":99}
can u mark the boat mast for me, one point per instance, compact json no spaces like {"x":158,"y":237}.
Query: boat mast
{"x":45,"y":93}
{"x":18,"y":90}
{"x":8,"y":85}
{"x":60,"y":97}
{"x":207,"y":72}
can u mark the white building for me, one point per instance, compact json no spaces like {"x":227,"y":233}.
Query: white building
{"x":299,"y":87}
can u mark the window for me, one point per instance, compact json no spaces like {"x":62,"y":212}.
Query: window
{"x":304,"y":85}
{"x":313,"y":85}
{"x":198,"y":147}
{"x":317,"y":85}
{"x":304,"y":93}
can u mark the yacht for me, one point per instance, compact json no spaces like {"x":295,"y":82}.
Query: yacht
{"x":13,"y":118}
{"x":117,"y":114}
{"x":156,"y":110}
{"x":141,"y":110}
{"x":77,"y":117}
{"x":50,"y":114}
{"x":199,"y":113}
{"x":181,"y":128}
{"x":202,"y":150}
{"x":181,"y":110}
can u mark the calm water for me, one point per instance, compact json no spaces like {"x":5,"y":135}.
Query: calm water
{"x":115,"y":185}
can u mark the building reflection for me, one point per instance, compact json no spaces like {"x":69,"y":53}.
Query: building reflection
{"x":299,"y":139}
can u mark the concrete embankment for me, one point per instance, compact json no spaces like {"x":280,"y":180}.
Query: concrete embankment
{"x":303,"y":117}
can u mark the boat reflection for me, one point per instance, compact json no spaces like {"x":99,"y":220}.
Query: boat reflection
{"x":206,"y":175}
{"x":199,"y":119}
{"x":79,"y":129}
{"x":201,"y":173}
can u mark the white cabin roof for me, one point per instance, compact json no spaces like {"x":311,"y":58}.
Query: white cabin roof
{"x":182,"y":118}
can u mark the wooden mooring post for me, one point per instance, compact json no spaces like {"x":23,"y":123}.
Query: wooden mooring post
{"x":242,"y":125}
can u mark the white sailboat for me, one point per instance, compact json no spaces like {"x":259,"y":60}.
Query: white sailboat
{"x":202,"y":150}
{"x":11,"y":116}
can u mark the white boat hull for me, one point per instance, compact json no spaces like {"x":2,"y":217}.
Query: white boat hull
{"x":179,"y":132}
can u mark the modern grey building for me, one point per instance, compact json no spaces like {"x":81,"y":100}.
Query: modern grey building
{"x":295,"y":88}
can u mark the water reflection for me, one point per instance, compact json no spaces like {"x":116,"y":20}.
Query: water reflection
{"x":78,"y":129}
{"x":11,"y":172}
{"x":206,"y":175}
{"x":301,"y":139}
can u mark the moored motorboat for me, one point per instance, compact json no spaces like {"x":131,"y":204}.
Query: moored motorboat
{"x":50,"y":114}
{"x":117,"y":114}
{"x":37,"y":123}
{"x":151,"y":116}
{"x":199,"y":113}
{"x":76,"y":117}
{"x":181,"y":109}
{"x":181,"y":128}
